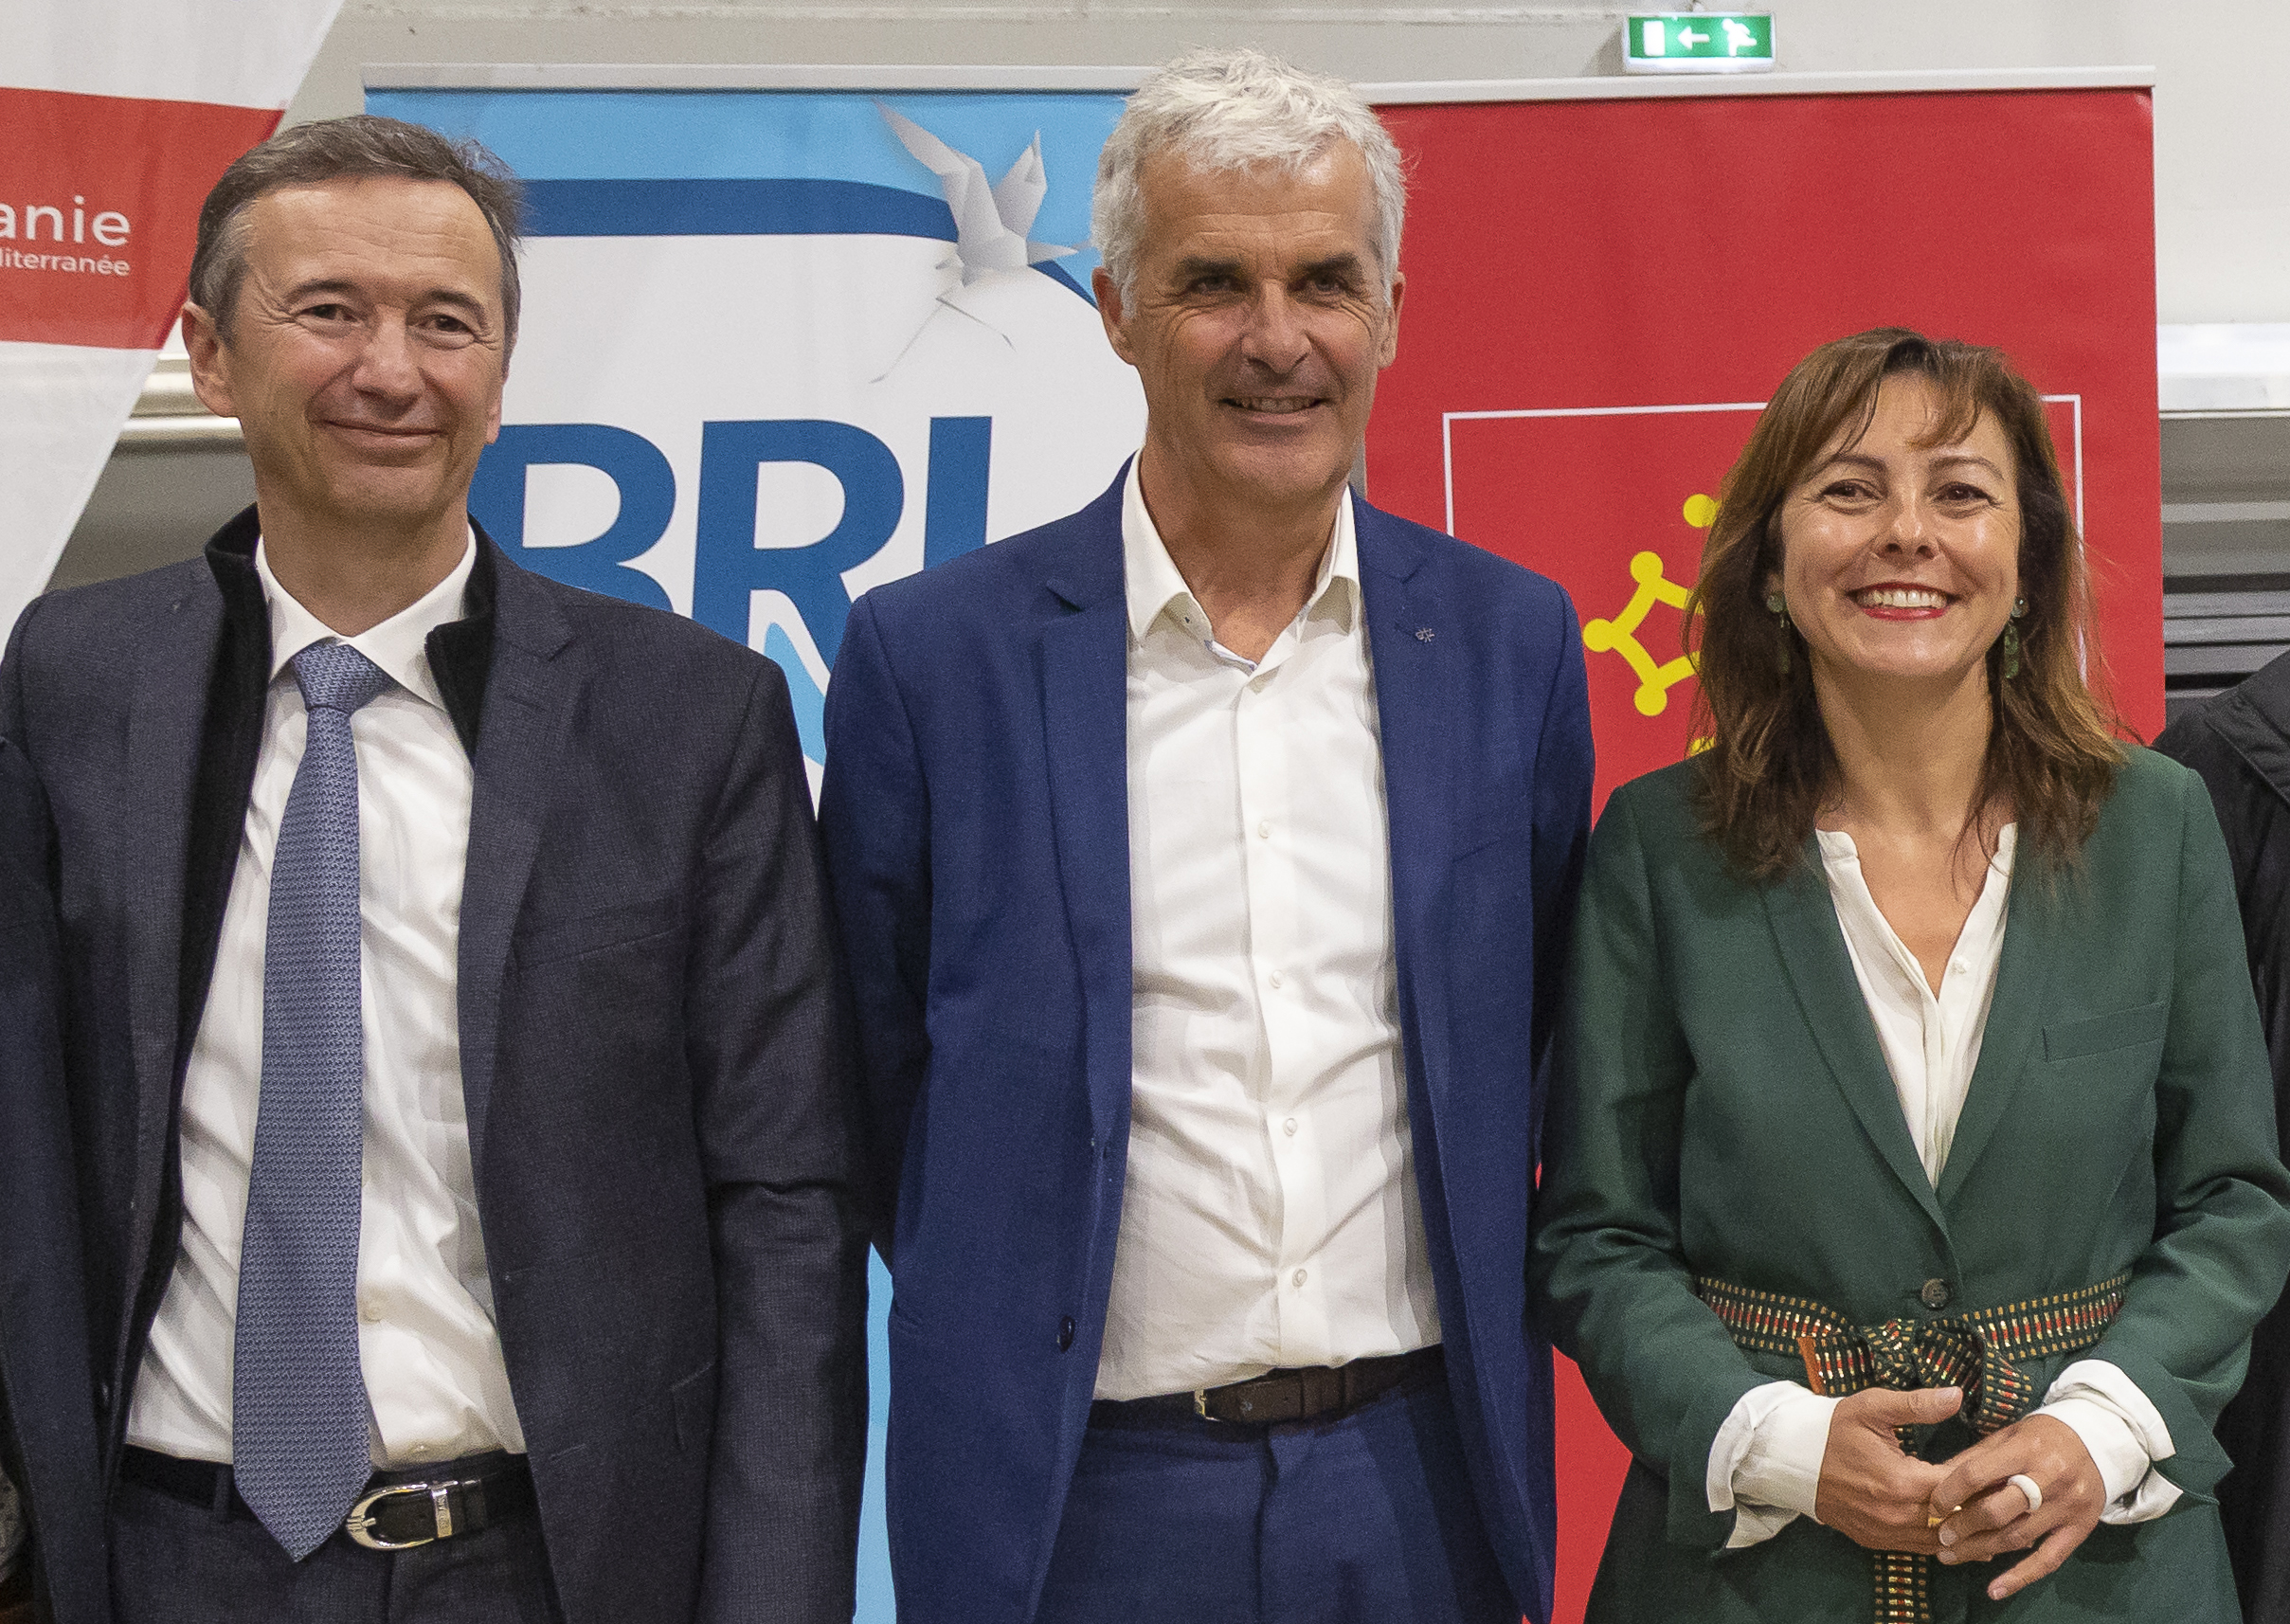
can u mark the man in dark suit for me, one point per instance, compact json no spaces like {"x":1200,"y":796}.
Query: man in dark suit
{"x":48,"y":1434}
{"x":1202,"y":861}
{"x":2239,"y":743}
{"x":458,"y":1072}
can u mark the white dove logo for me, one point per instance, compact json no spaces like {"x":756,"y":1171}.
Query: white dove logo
{"x":990,"y":222}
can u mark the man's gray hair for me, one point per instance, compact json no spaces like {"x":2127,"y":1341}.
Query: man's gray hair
{"x":1237,"y":109}
{"x":354,"y":148}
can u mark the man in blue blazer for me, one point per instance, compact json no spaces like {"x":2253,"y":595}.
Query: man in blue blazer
{"x":1203,"y":861}
{"x":458,"y":1072}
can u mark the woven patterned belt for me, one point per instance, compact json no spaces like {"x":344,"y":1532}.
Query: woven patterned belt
{"x":1976,"y":1352}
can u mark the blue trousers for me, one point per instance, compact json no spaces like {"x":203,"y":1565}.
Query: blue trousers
{"x":1369,"y":1518}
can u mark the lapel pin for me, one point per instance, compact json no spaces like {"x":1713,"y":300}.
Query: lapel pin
{"x":1423,"y":634}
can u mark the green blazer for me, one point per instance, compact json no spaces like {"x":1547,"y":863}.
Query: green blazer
{"x":1721,"y":1108}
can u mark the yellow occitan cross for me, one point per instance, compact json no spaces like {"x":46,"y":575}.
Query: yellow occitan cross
{"x":1621,"y":635}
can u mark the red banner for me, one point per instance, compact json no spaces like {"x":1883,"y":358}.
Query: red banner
{"x":98,"y":209}
{"x":1602,"y":291}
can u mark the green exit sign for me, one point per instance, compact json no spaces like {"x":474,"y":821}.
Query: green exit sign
{"x":1698,"y":41}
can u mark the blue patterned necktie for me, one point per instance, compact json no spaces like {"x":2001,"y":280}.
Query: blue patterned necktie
{"x":298,"y":1406}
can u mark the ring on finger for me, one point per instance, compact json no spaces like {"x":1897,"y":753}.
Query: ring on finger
{"x":2027,"y":1486}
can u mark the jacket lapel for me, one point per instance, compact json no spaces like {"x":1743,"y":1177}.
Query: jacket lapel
{"x":1085,"y":729}
{"x":163,"y":734}
{"x":1414,"y":701}
{"x":2031,"y":937}
{"x":528,"y":704}
{"x":1811,"y":945}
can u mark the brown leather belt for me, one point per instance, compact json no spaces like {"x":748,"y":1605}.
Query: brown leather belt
{"x":1309,"y":1393}
{"x":398,"y":1511}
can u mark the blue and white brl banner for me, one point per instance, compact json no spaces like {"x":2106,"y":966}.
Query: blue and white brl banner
{"x":780,"y":346}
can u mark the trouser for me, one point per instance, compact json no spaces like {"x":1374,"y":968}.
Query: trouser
{"x":1369,"y":1518}
{"x":175,"y":1563}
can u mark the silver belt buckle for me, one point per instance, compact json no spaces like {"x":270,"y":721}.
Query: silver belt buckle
{"x":361,"y":1520}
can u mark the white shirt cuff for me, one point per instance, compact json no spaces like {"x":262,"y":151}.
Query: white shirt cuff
{"x":2123,"y":1431}
{"x":1765,"y":1462}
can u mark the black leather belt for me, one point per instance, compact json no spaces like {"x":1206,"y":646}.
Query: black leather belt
{"x":398,"y":1511}
{"x":1309,"y":1393}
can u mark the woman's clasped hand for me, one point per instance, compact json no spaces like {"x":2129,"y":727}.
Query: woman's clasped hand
{"x":1991,"y":1514}
{"x":1968,"y":1510}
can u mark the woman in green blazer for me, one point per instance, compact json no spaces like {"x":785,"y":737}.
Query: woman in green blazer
{"x":1912,"y":1091}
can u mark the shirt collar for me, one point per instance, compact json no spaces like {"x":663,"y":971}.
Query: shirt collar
{"x":1155,"y":586}
{"x":398,"y":645}
{"x":1838,"y":846}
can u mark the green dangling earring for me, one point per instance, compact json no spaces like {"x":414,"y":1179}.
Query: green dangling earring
{"x":1779,"y":606}
{"x":2011,"y":639}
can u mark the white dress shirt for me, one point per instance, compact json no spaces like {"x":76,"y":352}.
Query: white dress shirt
{"x":1765,"y":1462}
{"x":1269,"y":1216}
{"x":432,"y":1360}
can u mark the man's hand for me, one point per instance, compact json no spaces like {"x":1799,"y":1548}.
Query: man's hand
{"x":1988,"y":1514}
{"x":1872,"y":1491}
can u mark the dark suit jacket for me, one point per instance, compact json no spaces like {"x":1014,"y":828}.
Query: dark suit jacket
{"x":48,"y":1421}
{"x":1723,"y":1109}
{"x":652,"y":1047}
{"x":976,"y":813}
{"x":2240,"y":744}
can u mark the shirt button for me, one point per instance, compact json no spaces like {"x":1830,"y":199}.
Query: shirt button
{"x":1264,"y":830}
{"x":1297,"y":1278}
{"x":1275,"y":978}
{"x":1935,"y":1295}
{"x":419,"y":1452}
{"x":369,"y":1312}
{"x":1289,"y":1127}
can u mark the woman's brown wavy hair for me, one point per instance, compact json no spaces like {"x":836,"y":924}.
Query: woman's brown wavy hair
{"x":1768,"y":768}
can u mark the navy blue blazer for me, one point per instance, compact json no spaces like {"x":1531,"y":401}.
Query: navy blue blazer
{"x":975,"y":815}
{"x":654,"y":1047}
{"x":48,"y":1420}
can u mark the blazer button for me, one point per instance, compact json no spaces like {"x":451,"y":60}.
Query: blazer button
{"x":1935,"y":1295}
{"x":1065,"y":1333}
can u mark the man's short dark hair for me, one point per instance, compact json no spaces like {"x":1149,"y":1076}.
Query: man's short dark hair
{"x":349,"y":149}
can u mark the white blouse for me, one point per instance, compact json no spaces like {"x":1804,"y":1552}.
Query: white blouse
{"x":1765,"y":1462}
